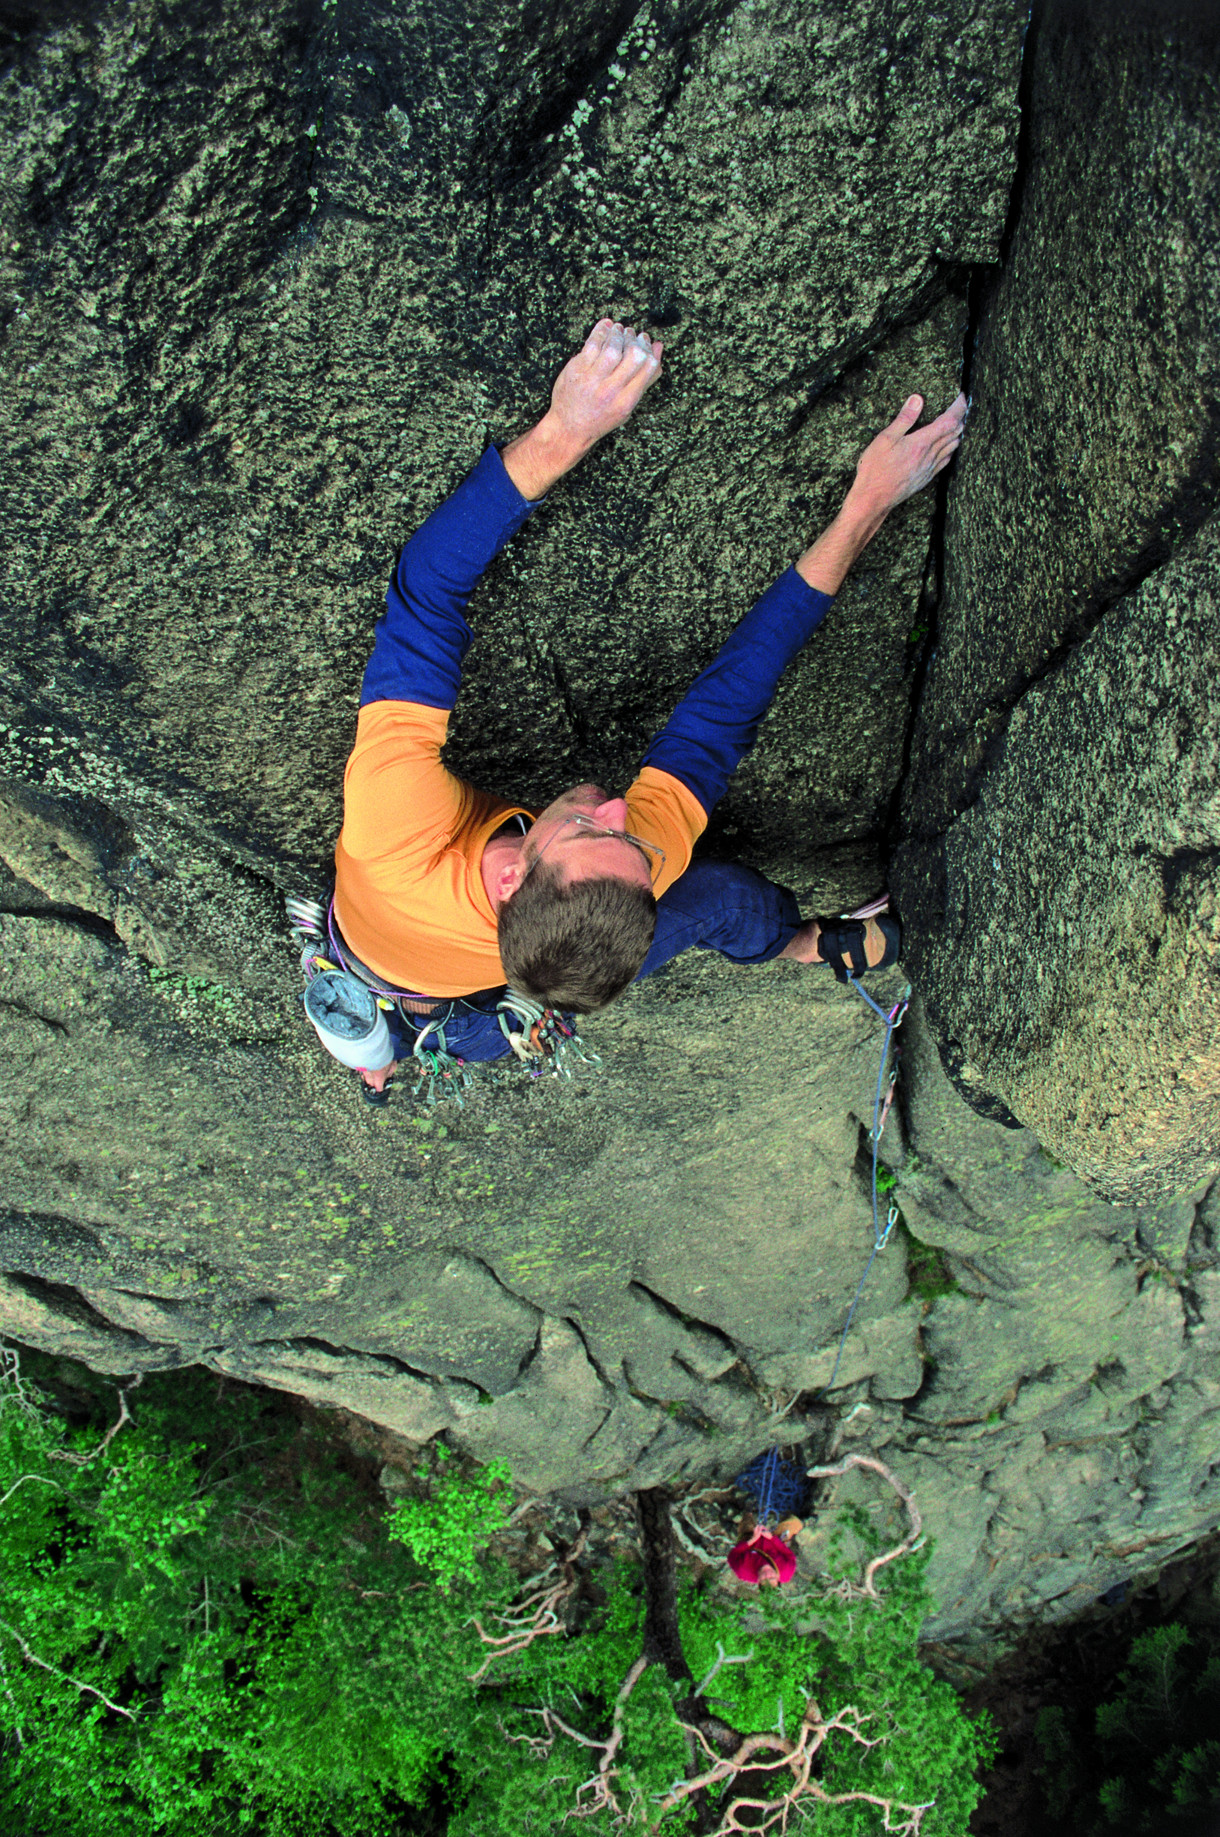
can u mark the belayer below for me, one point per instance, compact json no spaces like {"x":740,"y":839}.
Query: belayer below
{"x":483,"y":927}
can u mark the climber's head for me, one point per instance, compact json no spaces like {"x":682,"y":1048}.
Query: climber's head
{"x":577,"y":911}
{"x":584,"y":836}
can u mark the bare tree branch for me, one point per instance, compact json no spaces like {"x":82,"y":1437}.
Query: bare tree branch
{"x":32,"y":1658}
{"x":736,"y":1658}
{"x":797,"y":1758}
{"x":536,"y":1615}
{"x":83,"y":1460}
{"x":601,"y":1787}
{"x":914,"y":1537}
{"x":596,"y":1793}
{"x":21,"y":1480}
{"x":17,"y":1730}
{"x":688,"y":1543}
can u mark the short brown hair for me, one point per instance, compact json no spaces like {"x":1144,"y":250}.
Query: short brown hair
{"x":574,"y":946}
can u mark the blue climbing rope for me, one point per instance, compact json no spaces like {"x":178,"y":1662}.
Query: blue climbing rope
{"x":775,"y":1485}
{"x":881,"y":1108}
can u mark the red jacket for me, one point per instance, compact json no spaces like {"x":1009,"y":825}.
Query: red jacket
{"x":747,"y":1559}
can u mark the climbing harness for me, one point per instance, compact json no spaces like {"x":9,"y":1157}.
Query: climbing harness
{"x":882,"y":1100}
{"x":542,"y":1040}
{"x":776,"y":1486}
{"x":325,"y":959}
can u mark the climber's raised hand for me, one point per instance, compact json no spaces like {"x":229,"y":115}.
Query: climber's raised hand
{"x":597,"y":389}
{"x":594,"y":393}
{"x":900,"y":462}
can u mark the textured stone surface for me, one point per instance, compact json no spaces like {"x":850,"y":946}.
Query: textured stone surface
{"x":1076,"y":972}
{"x":257,"y":334}
{"x":1064,"y":1438}
{"x":1058,"y":875}
{"x":1094,"y":440}
{"x":606,"y":1261}
{"x":274,"y":281}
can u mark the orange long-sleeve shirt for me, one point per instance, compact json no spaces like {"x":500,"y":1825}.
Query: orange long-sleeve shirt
{"x":409,"y":894}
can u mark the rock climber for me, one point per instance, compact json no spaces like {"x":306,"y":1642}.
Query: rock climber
{"x":766,"y":1558}
{"x":445,"y":894}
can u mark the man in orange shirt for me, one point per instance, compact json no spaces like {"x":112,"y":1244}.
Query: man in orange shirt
{"x":445,"y":894}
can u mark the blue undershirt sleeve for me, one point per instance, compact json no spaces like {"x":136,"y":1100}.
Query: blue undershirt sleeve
{"x":716,"y":722}
{"x":423,"y":636}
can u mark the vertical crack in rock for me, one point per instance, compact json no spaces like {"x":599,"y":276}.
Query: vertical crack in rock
{"x":1179,"y":517}
{"x":533,"y":1351}
{"x":983,"y":280}
{"x":595,"y":1364}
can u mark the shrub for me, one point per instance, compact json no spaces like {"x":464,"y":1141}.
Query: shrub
{"x":209,"y":1628}
{"x":445,"y":1530}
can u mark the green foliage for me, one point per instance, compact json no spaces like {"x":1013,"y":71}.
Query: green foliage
{"x":1060,"y":1772}
{"x":209,"y":1629}
{"x":857,"y":1653}
{"x":928,"y":1274}
{"x":840,"y":1651}
{"x":1152,"y":1750}
{"x":271,"y":1661}
{"x":458,"y":1518}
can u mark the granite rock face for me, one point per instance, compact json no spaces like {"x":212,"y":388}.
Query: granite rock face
{"x":1061,"y":817}
{"x":1078,"y":962}
{"x":1068,"y":1421}
{"x":255,"y":335}
{"x":272,"y":280}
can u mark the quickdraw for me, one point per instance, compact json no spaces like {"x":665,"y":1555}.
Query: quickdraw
{"x":542,"y":1040}
{"x":882,"y":1101}
{"x":439,"y":1067}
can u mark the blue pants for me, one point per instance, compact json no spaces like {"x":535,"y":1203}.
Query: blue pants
{"x":716,"y":905}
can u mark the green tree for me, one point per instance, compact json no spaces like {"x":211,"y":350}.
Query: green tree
{"x":213,"y":1634}
{"x":1152,"y":1751}
{"x":209,"y":1627}
{"x":459,"y":1516}
{"x":620,"y":1720}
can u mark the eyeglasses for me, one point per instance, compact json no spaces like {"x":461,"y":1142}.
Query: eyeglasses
{"x":580,"y":824}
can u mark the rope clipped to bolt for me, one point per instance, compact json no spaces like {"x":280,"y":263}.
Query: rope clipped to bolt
{"x":882,"y":1101}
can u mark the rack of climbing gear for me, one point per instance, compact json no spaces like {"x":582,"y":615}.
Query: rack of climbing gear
{"x":882,"y":1100}
{"x":322,"y":956}
{"x":541,"y":1040}
{"x":541,"y":1035}
{"x":777,"y":1487}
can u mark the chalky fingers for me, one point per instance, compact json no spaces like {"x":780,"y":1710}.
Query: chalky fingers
{"x":595,"y":342}
{"x":610,"y":355}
